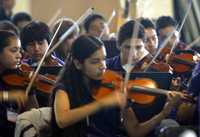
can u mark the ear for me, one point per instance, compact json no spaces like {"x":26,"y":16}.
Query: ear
{"x":77,"y":64}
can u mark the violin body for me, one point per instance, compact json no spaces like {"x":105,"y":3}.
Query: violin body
{"x":113,"y":82}
{"x":181,"y":61}
{"x":22,"y":76}
{"x":155,"y":66}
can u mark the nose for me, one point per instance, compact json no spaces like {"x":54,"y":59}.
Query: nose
{"x":19,"y":55}
{"x":36,"y":47}
{"x":103,"y":65}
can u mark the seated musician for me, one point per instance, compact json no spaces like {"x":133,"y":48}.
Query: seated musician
{"x":64,"y":48}
{"x":11,"y":100}
{"x":95,"y":25}
{"x":35,"y":38}
{"x":76,"y":111}
{"x":141,"y":57}
{"x":151,"y":43}
{"x":166,"y":25}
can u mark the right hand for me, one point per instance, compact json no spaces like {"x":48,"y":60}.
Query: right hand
{"x":18,"y":96}
{"x":116,"y":98}
{"x":173,"y":100}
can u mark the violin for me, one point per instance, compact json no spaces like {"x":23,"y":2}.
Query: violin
{"x":142,"y":91}
{"x":22,"y":76}
{"x":182,"y":61}
{"x":155,"y":66}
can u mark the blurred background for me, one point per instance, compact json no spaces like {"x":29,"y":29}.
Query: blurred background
{"x":50,"y":10}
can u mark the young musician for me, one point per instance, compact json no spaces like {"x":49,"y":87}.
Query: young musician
{"x":76,"y":112}
{"x":166,"y":25}
{"x":35,"y":39}
{"x":140,"y":56}
{"x":94,"y":25}
{"x":151,"y":43}
{"x":64,"y":48}
{"x":10,"y":99}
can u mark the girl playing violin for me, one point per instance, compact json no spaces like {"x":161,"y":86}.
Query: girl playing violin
{"x":10,"y":99}
{"x":76,"y":113}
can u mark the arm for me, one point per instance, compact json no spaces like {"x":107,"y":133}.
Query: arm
{"x":136,"y":129}
{"x":65,"y":116}
{"x":17,"y":96}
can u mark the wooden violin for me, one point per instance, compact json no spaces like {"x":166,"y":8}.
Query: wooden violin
{"x":21,"y":77}
{"x":142,"y":91}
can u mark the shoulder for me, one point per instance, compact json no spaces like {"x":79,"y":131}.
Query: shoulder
{"x":113,"y":62}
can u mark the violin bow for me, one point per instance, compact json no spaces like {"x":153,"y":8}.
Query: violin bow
{"x":189,"y":46}
{"x":70,"y":30}
{"x":41,"y":61}
{"x":108,"y":23}
{"x":129,"y":66}
{"x":181,"y":26}
{"x":55,"y":16}
{"x":88,"y":12}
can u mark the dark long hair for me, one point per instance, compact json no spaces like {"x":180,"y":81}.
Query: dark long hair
{"x":5,"y":37}
{"x":72,"y":80}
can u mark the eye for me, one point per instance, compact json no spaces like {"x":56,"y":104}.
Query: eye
{"x":127,"y":47}
{"x":138,"y":47}
{"x":40,"y":42}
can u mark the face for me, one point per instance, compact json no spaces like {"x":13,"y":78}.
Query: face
{"x":36,"y":49}
{"x":97,"y":27}
{"x":152,"y":40}
{"x":133,"y":46}
{"x":95,"y":66}
{"x":11,"y":55}
{"x":165,"y":32}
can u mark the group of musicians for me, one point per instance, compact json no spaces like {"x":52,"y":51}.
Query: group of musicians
{"x":76,"y":110}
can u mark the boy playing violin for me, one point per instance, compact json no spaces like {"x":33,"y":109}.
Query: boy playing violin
{"x":35,"y":38}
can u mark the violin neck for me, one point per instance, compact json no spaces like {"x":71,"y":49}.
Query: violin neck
{"x":150,"y":91}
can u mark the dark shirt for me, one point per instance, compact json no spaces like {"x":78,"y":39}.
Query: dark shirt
{"x":6,"y":127}
{"x":194,"y":87}
{"x":105,"y":123}
{"x":114,"y":64}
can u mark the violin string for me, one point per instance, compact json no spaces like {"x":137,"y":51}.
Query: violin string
{"x":41,"y":61}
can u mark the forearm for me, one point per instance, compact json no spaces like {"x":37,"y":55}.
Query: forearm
{"x":136,"y":129}
{"x":69,"y":117}
{"x":146,"y":127}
